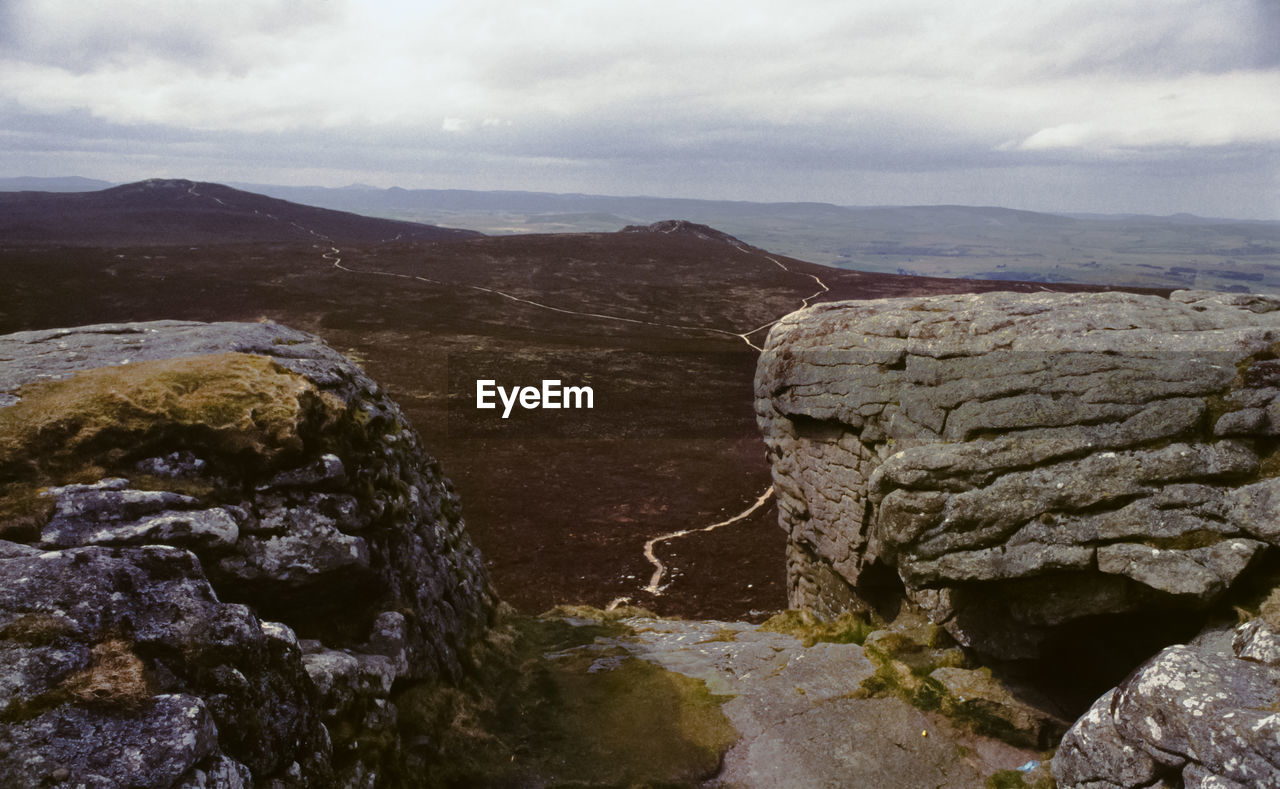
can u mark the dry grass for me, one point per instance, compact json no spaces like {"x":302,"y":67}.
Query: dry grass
{"x":115,"y":676}
{"x":232,"y":404}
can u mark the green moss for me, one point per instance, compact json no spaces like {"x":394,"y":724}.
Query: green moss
{"x":196,"y":487}
{"x":912,"y":684}
{"x":725,"y":635}
{"x":1216,"y":406}
{"x":23,"y":512}
{"x":1268,"y":458}
{"x":848,"y":628}
{"x":1013,"y":779}
{"x":601,"y":616}
{"x":633,"y":722}
{"x":239,"y":406}
{"x":544,"y":711}
{"x":890,"y":678}
{"x":37,"y":629}
{"x":1270,"y":609}
{"x":22,"y":710}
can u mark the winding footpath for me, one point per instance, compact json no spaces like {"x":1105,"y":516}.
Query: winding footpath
{"x":655,"y":586}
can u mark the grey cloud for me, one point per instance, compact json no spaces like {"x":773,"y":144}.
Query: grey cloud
{"x":1157,"y":37}
{"x":904,"y":95}
{"x":84,"y":36}
{"x":1262,"y":47}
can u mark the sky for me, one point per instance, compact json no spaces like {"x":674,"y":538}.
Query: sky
{"x":1140,"y":106}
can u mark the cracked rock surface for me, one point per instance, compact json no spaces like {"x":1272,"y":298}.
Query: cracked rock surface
{"x":222,"y":551}
{"x":1197,"y":715}
{"x":1022,"y":462}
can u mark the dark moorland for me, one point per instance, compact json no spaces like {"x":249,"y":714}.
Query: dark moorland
{"x":662,"y":321}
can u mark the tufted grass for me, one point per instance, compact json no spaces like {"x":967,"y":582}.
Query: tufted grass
{"x":848,"y":628}
{"x":1270,"y":609}
{"x":233,"y":405}
{"x":115,"y":676}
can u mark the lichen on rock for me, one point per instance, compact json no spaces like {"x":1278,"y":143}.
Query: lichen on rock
{"x":1199,"y":714}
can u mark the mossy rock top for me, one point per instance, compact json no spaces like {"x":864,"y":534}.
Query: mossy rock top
{"x":235,"y":405}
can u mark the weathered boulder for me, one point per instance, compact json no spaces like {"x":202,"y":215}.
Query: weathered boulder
{"x":1197,"y":715}
{"x":1016,"y":463}
{"x":223,"y":552}
{"x":123,"y":668}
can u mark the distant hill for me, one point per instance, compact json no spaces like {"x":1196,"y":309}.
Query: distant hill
{"x":973,"y":242}
{"x":181,"y":212}
{"x":978,"y":242}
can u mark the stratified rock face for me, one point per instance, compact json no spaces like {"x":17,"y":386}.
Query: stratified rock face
{"x":222,"y":550}
{"x":1022,"y":462}
{"x":1199,"y":715}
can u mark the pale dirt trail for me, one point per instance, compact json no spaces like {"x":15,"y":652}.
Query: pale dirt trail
{"x":745,"y":336}
{"x":654,"y":587}
{"x":336,"y":259}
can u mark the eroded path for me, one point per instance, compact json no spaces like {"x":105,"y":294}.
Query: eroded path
{"x":655,"y":586}
{"x":822,"y":290}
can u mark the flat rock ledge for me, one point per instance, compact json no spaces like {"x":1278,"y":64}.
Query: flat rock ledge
{"x":1197,"y":716}
{"x":806,"y":717}
{"x":223,"y":553}
{"x":1016,"y":464}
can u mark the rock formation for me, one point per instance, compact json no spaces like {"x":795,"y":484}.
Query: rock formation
{"x":1019,"y":464}
{"x":223,"y":554}
{"x":1197,"y":715}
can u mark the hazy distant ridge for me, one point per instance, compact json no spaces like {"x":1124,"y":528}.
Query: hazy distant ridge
{"x":984,"y":242}
{"x":1179,"y":251}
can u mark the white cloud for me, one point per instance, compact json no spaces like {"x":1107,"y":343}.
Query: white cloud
{"x":877,"y":84}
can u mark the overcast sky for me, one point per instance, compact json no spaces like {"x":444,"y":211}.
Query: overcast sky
{"x":1153,"y":106}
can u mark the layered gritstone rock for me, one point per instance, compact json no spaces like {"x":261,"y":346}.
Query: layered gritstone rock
{"x":223,"y":552}
{"x":1018,"y":463}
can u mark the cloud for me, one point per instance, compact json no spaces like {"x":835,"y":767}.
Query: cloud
{"x":716,"y":86}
